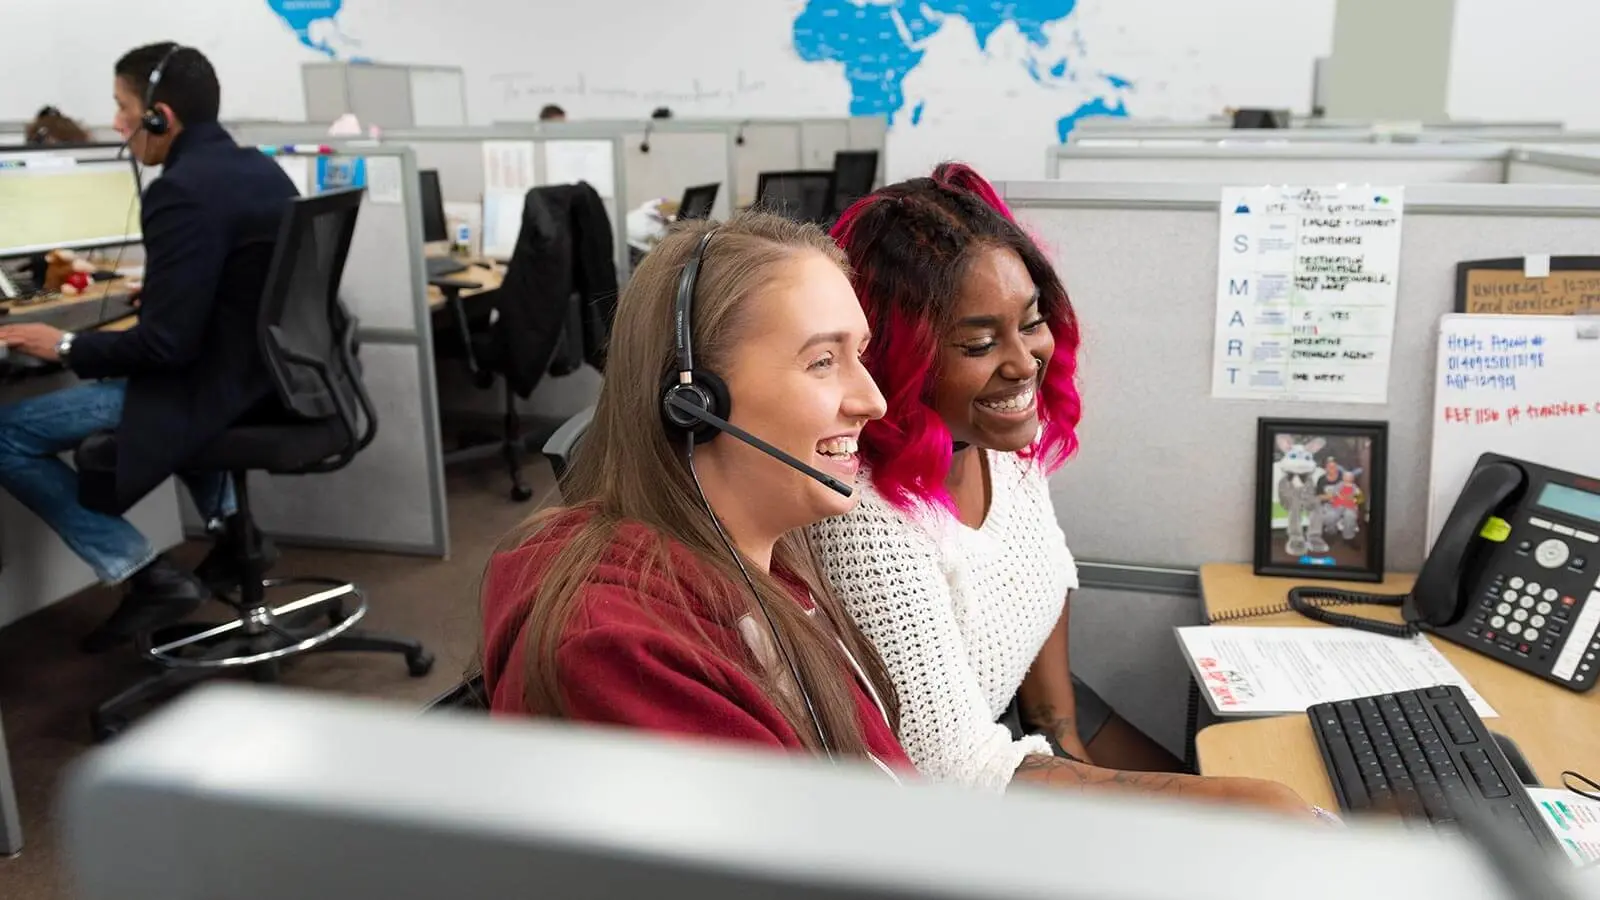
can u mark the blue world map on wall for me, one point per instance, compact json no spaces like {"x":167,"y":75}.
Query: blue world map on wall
{"x":879,"y":44}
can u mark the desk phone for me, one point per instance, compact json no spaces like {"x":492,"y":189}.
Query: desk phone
{"x":1514,"y":574}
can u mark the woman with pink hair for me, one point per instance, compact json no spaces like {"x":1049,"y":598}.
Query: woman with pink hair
{"x":953,"y":563}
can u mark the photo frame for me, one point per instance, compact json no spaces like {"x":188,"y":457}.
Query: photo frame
{"x":1321,"y":497}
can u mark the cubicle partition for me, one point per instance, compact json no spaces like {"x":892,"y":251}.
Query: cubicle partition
{"x":386,"y":95}
{"x":1250,"y":163}
{"x":1568,"y":165}
{"x":391,"y":496}
{"x":1164,"y":479}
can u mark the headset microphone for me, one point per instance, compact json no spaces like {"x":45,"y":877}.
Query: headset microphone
{"x":688,"y":407}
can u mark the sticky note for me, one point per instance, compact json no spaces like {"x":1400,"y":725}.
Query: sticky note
{"x":1496,"y":529}
{"x":1536,"y":265}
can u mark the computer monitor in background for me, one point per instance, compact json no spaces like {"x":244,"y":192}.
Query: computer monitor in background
{"x":66,"y":199}
{"x":854,"y":172}
{"x":1260,"y":118}
{"x":698,"y":201}
{"x":803,"y":195}
{"x":434,"y":227}
{"x":236,"y":792}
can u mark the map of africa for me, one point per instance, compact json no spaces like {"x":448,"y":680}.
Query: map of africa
{"x":879,"y":44}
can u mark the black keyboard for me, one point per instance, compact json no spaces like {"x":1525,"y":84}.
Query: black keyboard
{"x":1425,"y":755}
{"x":443,"y":265}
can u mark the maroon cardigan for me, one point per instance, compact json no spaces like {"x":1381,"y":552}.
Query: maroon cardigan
{"x":630,"y":654}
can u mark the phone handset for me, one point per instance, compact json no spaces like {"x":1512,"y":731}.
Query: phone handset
{"x":1436,"y":598}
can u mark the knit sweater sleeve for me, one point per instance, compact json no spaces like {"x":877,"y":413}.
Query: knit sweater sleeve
{"x":889,"y":575}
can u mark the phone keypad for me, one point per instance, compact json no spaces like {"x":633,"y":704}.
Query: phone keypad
{"x":1521,"y":617}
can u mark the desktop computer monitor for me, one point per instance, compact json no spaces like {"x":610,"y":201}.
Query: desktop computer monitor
{"x":433,"y":221}
{"x":74,"y":199}
{"x":235,"y":792}
{"x":803,"y":195}
{"x":854,"y":171}
{"x":697,"y":202}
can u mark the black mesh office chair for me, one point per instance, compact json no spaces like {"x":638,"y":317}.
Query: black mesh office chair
{"x":308,"y":341}
{"x":803,"y":195}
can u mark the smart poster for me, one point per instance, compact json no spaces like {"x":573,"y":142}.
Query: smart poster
{"x":1306,"y":286}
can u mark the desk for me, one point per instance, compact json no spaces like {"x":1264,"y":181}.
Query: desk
{"x":101,"y":301}
{"x":488,"y":276}
{"x":1555,"y":728}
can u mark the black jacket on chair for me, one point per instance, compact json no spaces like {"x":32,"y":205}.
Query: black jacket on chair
{"x":192,"y":362}
{"x":563,"y":256}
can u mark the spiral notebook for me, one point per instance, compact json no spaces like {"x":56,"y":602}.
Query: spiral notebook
{"x":1245,"y":671}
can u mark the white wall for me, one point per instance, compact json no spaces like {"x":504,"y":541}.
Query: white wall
{"x":724,"y":57}
{"x":1534,"y":59}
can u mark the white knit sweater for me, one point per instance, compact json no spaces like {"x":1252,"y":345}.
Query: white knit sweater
{"x":958,"y":614}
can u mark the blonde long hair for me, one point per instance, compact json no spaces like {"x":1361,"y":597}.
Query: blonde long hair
{"x":628,"y":470}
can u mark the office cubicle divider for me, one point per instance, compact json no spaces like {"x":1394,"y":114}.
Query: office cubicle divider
{"x":1300,"y":163}
{"x":391,"y":497}
{"x":1164,"y":479}
{"x":1567,"y":165}
{"x":385,"y":94}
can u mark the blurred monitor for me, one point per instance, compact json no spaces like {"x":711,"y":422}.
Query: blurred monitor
{"x":854,"y":172}
{"x":433,"y":221}
{"x":803,"y":195}
{"x":698,"y":201}
{"x":77,"y":198}
{"x":236,"y":792}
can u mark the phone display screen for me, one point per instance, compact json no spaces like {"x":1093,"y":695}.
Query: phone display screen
{"x":1571,"y":501}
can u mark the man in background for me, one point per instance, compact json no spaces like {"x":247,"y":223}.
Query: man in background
{"x":552,"y":113}
{"x":178,"y":378}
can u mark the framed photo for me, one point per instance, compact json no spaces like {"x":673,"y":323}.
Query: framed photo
{"x":1320,"y":498}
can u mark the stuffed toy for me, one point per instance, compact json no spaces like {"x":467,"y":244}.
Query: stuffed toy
{"x":1297,"y":491}
{"x":66,"y":273}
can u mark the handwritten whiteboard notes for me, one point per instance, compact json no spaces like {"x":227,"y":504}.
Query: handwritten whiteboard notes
{"x":1522,"y":386}
{"x":1306,"y":281}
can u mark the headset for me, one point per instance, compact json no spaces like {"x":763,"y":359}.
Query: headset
{"x":153,"y":120}
{"x":695,"y":405}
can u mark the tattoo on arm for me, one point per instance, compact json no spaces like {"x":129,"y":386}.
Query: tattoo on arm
{"x":1045,"y":718}
{"x":1063,"y":773}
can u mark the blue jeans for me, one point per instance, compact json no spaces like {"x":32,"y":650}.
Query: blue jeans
{"x":33,"y":434}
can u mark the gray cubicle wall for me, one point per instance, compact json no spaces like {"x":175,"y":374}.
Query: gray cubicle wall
{"x":1281,"y":163}
{"x":1528,"y":166}
{"x":662,"y":157}
{"x":386,"y":95}
{"x":391,"y":496}
{"x":1164,"y":479}
{"x":457,"y":155}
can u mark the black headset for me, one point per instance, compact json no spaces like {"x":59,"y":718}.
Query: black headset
{"x":707,"y":392}
{"x":698,"y":387}
{"x":153,"y":120}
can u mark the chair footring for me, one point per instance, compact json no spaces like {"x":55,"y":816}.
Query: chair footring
{"x":273,"y":632}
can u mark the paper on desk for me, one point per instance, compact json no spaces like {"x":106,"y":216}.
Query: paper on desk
{"x":1574,"y":820}
{"x":1274,"y":671}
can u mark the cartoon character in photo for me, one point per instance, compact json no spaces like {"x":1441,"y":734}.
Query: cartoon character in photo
{"x":1342,"y":506}
{"x":1298,"y":474}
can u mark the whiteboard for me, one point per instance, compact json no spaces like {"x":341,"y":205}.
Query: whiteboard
{"x":437,"y":98}
{"x":1522,"y":386}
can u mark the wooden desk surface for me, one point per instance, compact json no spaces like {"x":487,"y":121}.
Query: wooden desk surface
{"x":1555,"y":728}
{"x":54,"y":309}
{"x":487,"y":275}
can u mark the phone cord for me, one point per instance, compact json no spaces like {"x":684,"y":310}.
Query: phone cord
{"x":1311,"y":602}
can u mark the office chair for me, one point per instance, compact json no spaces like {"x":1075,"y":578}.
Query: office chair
{"x":551,"y":314}
{"x":854,"y":172}
{"x":803,"y":195}
{"x":308,"y":342}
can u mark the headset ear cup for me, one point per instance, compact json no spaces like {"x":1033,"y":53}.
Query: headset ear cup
{"x":155,"y":122}
{"x":706,"y":391}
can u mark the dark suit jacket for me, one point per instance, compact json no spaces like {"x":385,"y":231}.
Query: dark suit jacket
{"x":563,"y":256}
{"x":193,"y":363}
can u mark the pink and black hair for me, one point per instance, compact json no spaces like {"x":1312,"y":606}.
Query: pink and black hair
{"x":909,"y":246}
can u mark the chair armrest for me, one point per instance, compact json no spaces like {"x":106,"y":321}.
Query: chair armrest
{"x":561,"y":445}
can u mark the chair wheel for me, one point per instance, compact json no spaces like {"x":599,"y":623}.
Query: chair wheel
{"x":521,"y":492}
{"x":419,"y":663}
